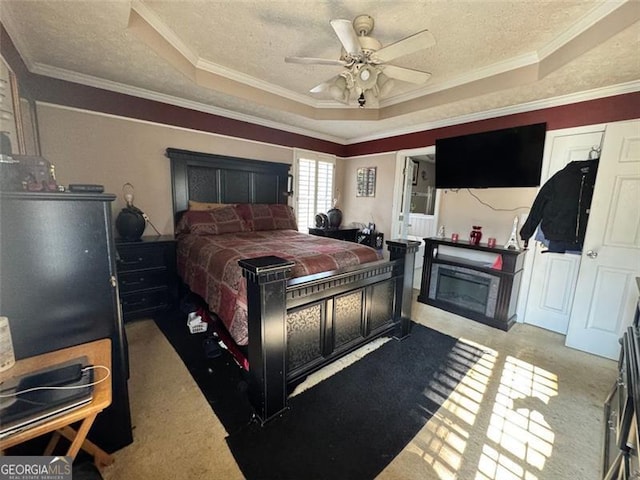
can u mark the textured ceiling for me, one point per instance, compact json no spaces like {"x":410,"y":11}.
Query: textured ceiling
{"x":227,"y":57}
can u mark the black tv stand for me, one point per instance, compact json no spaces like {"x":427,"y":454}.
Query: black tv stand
{"x":478,"y":289}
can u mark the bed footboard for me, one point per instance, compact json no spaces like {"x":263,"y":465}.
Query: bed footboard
{"x":297,"y":326}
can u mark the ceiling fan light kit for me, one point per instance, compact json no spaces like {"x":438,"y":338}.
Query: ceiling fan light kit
{"x":366,"y":77}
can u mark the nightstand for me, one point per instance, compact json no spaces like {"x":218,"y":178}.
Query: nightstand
{"x":147,"y":276}
{"x":373,"y":239}
{"x":348,"y":234}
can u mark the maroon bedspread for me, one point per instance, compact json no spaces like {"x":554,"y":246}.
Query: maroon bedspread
{"x":208,"y":264}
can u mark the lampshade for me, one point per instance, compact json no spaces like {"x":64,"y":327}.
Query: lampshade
{"x":339,"y":90}
{"x":367,"y":81}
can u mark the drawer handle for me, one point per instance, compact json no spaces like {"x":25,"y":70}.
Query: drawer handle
{"x":133,"y":282}
{"x":131,"y":263}
{"x":135,"y":304}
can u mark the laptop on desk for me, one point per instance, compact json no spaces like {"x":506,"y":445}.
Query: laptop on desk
{"x":34,"y":398}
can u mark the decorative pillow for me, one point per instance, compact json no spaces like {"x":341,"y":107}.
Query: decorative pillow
{"x":262,"y":216}
{"x":199,"y":206}
{"x":211,"y":222}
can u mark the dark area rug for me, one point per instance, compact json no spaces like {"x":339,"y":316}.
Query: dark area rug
{"x":349,"y":426}
{"x":220,"y":379}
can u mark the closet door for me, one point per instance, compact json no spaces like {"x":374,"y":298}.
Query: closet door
{"x":606,"y":292}
{"x":554,"y":275}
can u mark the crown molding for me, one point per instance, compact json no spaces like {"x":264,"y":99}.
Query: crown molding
{"x":587,"y":21}
{"x":87,"y":80}
{"x":505,"y":66}
{"x":594,"y":94}
{"x":138,"y":7}
{"x":159,"y":26}
{"x":8,"y":21}
{"x":629,"y":87}
{"x":199,"y":63}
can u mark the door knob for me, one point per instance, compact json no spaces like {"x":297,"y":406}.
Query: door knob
{"x":592,"y":254}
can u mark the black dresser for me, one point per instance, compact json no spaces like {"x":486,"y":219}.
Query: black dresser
{"x":620,"y":458}
{"x":147,"y":276}
{"x":58,"y":287}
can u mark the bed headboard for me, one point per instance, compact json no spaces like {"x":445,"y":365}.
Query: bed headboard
{"x":206,"y":177}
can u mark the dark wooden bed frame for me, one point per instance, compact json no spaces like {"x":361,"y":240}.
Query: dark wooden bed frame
{"x":297,"y":325}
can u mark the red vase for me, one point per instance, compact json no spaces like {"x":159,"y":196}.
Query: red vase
{"x":475,"y":236}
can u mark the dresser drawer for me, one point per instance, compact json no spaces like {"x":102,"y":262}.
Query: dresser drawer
{"x":142,"y":280}
{"x":150,"y":300}
{"x":147,"y":280}
{"x":138,"y":258}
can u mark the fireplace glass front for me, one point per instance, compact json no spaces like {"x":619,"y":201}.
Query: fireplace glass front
{"x":465,"y":288}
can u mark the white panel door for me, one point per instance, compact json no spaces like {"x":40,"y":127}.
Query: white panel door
{"x":554,"y":275}
{"x":606,"y":292}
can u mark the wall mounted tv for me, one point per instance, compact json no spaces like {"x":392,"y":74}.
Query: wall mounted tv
{"x":511,"y":157}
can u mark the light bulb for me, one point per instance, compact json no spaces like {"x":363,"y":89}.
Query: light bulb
{"x":127,"y":190}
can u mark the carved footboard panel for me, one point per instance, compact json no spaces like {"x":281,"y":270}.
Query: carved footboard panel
{"x":329,"y":316}
{"x":297,"y":326}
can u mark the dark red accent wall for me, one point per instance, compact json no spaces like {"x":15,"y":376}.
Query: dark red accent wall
{"x":60,"y":92}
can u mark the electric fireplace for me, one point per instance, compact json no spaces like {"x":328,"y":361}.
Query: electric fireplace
{"x":465,"y":288}
{"x":475,"y":281}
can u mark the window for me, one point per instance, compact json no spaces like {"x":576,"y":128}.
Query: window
{"x":314,"y":187}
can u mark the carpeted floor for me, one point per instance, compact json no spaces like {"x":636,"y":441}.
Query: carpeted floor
{"x":530,"y":408}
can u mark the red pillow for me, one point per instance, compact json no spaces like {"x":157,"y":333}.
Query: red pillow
{"x":263,"y":216}
{"x":211,"y":222}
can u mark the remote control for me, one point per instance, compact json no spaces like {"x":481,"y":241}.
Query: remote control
{"x":86,"y":188}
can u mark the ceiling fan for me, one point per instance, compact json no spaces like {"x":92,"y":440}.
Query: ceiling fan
{"x":367,"y":75}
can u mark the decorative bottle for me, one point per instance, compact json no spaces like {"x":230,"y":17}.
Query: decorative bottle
{"x":476,"y":235}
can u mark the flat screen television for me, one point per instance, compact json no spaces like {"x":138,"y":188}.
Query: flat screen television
{"x":511,"y":157}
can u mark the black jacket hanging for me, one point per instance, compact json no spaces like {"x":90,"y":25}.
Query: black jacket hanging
{"x":562,"y":205}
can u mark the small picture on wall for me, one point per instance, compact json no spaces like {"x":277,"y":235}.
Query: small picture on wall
{"x":414,"y":177}
{"x":366,"y":182}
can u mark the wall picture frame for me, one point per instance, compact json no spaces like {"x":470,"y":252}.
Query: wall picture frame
{"x":366,"y":182}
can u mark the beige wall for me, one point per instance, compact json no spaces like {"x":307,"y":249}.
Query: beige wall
{"x":111,"y":151}
{"x":369,"y":209}
{"x":459,"y":211}
{"x":93,"y":148}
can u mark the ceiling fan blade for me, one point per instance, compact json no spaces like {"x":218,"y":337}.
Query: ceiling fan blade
{"x":405,"y":74}
{"x":347,"y":35}
{"x":411,"y":44}
{"x":322,"y":87}
{"x":315,"y":61}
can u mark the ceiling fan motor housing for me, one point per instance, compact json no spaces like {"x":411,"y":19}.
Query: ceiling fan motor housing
{"x":363,"y":24}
